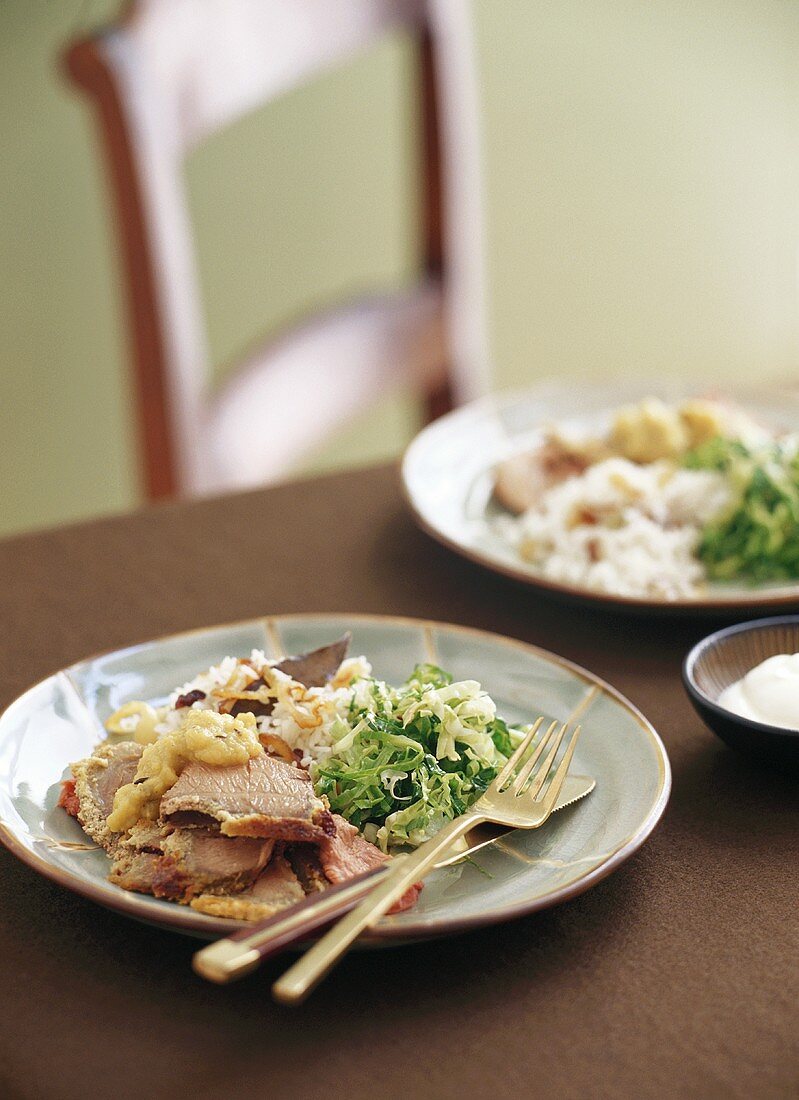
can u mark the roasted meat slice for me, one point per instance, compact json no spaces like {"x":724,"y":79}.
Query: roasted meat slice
{"x":68,"y":800}
{"x":263,"y":798}
{"x":348,"y":854}
{"x":179,"y":864}
{"x":206,"y":860}
{"x":304,"y":860}
{"x":277,"y":888}
{"x":137,"y":857}
{"x":314,"y":669}
{"x":96,"y":780}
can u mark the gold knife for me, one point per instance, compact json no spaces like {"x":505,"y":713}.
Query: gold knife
{"x":574,"y":788}
{"x":238,"y":954}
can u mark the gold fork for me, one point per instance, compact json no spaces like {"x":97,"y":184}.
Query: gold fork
{"x":521,"y":797}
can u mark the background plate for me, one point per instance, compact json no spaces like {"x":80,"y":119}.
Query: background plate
{"x":448,"y":478}
{"x":60,"y":720}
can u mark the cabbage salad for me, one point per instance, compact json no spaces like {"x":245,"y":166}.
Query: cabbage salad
{"x":757,"y":537}
{"x":406,"y":760}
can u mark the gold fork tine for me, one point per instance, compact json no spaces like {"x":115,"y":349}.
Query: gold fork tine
{"x":542,"y":773}
{"x":524,"y":773}
{"x":507,"y":771}
{"x":553,"y":788}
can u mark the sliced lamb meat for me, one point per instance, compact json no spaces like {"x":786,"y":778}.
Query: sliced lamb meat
{"x":348,"y":854}
{"x":145,"y":836}
{"x":314,"y":669}
{"x":97,"y":779}
{"x":137,"y":871}
{"x":68,"y":800}
{"x":277,"y":888}
{"x":304,"y":859}
{"x":181,"y":863}
{"x":263,"y":798}
{"x":210,"y":861}
{"x":137,"y":857}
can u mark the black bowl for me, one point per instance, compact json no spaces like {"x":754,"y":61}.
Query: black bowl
{"x":724,"y":657}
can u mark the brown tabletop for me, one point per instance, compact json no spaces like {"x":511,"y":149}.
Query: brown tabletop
{"x":674,"y":977}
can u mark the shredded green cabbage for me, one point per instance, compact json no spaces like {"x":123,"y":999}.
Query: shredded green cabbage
{"x":406,"y":760}
{"x":757,"y":537}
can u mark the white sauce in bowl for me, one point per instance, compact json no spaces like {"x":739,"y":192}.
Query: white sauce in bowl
{"x":769,"y":693}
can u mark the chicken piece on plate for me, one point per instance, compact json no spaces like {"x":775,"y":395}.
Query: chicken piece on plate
{"x":522,"y":479}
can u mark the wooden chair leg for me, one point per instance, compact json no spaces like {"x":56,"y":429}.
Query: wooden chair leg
{"x":437,"y":400}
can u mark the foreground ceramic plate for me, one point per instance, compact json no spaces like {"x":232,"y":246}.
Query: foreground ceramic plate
{"x":60,"y":720}
{"x":448,"y":478}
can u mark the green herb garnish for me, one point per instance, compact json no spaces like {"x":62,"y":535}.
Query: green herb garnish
{"x":406,"y":760}
{"x":757,"y":537}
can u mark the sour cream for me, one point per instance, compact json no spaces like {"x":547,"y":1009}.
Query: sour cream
{"x":769,"y":693}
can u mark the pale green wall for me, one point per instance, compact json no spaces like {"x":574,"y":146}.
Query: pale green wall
{"x":643,"y":185}
{"x":641,"y":181}
{"x":63,"y":437}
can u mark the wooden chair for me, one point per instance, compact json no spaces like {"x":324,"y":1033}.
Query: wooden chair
{"x":164,"y":79}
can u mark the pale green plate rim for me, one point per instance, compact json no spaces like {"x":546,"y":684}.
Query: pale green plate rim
{"x":717,"y":600}
{"x":181,"y":919}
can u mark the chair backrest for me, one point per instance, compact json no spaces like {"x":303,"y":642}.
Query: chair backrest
{"x":174,"y":71}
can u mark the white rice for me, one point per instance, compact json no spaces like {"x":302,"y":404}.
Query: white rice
{"x":627,"y":529}
{"x":325,"y":704}
{"x":219,"y":675}
{"x":304,"y":720}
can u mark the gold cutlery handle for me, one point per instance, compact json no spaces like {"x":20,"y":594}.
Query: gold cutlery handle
{"x":300,"y":979}
{"x":238,"y":954}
